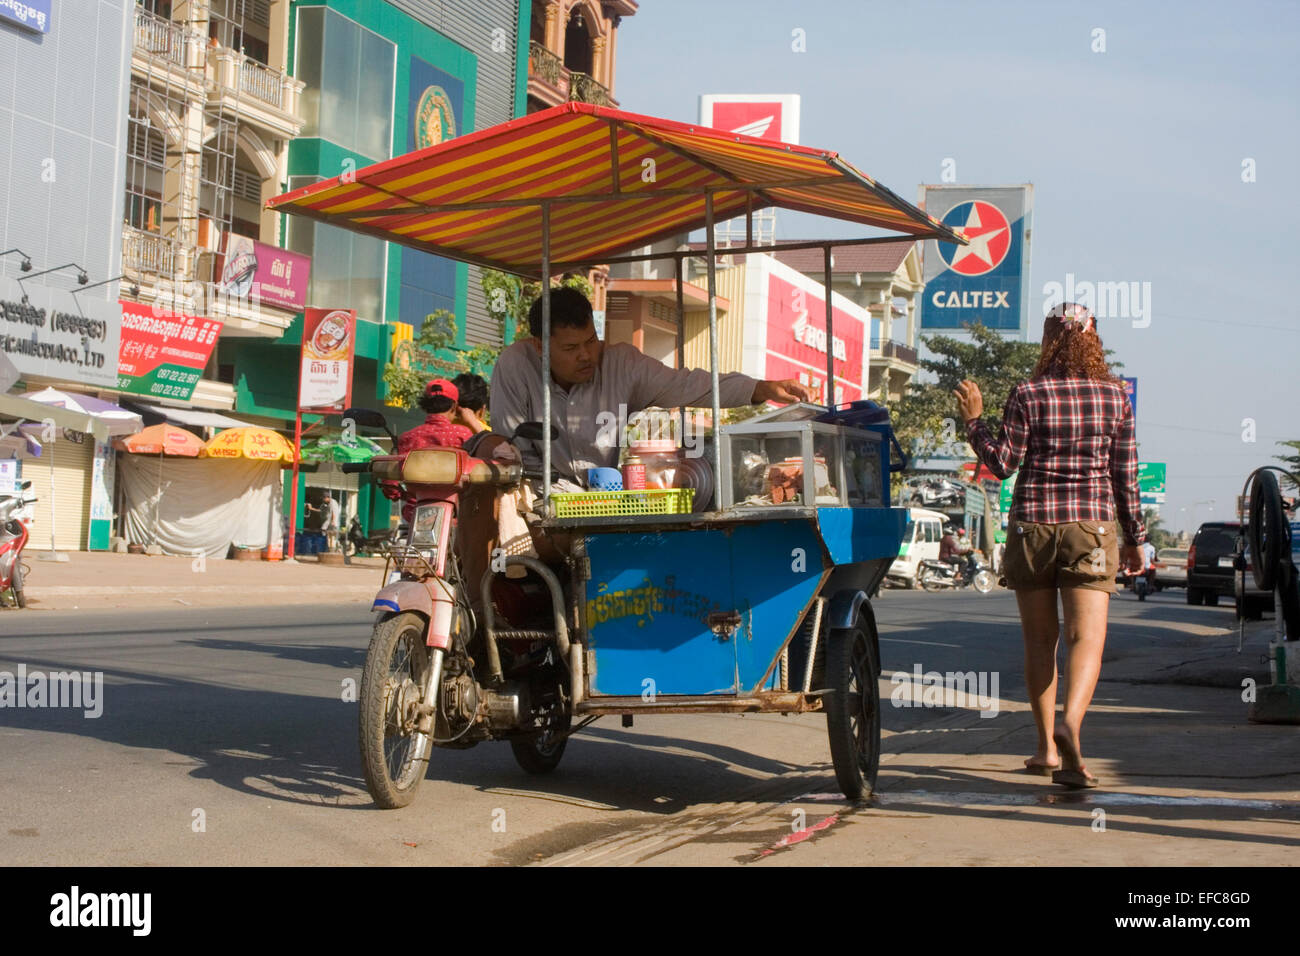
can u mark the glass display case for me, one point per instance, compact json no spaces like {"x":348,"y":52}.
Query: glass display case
{"x":801,"y":464}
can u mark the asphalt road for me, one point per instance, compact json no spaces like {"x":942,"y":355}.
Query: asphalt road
{"x":224,"y":739}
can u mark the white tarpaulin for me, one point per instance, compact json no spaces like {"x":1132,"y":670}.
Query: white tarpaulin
{"x":188,"y":505}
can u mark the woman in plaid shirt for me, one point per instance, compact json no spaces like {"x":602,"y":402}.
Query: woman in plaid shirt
{"x":1070,"y":431}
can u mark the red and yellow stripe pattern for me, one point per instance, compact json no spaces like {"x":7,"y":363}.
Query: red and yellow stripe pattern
{"x":614,"y":181}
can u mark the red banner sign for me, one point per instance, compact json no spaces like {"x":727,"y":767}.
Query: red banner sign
{"x":796,"y":341}
{"x":163,"y":354}
{"x":328,"y":346}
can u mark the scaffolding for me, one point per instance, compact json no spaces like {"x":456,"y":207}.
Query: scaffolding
{"x":182,"y":137}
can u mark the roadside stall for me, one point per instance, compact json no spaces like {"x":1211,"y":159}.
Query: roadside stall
{"x":74,"y":485}
{"x":227,"y":496}
{"x":756,"y":598}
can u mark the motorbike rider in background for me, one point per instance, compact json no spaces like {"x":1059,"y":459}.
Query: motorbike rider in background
{"x":951,"y":550}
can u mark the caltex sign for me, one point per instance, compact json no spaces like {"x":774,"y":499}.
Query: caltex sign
{"x":984,"y":280}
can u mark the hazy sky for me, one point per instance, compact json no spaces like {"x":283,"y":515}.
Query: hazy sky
{"x":1135,"y":154}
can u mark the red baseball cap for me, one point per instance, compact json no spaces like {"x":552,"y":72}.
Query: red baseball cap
{"x":440,"y":386}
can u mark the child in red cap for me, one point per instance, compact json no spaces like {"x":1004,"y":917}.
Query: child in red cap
{"x":438,"y":431}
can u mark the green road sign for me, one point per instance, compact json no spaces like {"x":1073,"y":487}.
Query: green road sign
{"x":1151,"y":477}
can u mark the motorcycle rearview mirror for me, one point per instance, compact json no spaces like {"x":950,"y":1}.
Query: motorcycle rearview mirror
{"x":370,"y":419}
{"x":532,"y":431}
{"x":25,"y":485}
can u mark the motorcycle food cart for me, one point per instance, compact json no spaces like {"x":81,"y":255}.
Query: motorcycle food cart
{"x":751,"y":599}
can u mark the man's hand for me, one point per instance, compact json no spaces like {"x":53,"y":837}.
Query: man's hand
{"x":969,"y":400}
{"x":787,"y":391}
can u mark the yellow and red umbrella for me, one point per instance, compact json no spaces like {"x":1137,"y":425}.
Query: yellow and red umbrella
{"x":162,"y":440}
{"x":259,"y":444}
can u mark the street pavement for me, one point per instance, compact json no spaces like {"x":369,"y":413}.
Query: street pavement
{"x":102,"y":580}
{"x":225,"y":739}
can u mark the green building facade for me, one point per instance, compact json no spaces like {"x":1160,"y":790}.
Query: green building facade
{"x":380,"y":81}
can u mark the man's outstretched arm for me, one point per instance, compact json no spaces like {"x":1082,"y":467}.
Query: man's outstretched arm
{"x":654,"y":383}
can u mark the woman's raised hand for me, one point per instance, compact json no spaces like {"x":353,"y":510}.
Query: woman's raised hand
{"x":969,"y":400}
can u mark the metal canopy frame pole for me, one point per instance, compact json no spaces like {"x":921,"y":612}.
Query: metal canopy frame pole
{"x":570,"y":264}
{"x":713,"y":334}
{"x":546,"y":358}
{"x":830,"y":330}
{"x":679,"y":273}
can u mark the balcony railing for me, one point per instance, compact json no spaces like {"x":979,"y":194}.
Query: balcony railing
{"x":262,"y":82}
{"x":545,"y":64}
{"x":148,"y":253}
{"x":891,"y":348}
{"x":159,"y":37}
{"x":549,"y":68}
{"x":585,"y":89}
{"x":272,"y":93}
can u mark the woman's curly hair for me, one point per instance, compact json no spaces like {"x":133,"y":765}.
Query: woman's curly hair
{"x":1071,"y":347}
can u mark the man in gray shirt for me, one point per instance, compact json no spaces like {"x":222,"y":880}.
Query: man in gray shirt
{"x":594,"y":386}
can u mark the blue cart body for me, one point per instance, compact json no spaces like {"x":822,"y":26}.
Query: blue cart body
{"x":653,"y":599}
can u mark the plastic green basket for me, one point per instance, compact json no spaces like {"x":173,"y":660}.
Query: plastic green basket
{"x":648,"y":501}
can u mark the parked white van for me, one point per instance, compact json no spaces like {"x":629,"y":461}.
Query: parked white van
{"x":920,"y":543}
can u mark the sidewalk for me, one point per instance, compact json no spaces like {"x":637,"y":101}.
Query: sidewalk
{"x":97,"y":579}
{"x":1186,"y":780}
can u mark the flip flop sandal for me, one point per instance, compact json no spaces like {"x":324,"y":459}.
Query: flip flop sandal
{"x":1042,"y":769}
{"x":1075,"y":779}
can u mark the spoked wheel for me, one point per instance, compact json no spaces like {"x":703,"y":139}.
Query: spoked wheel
{"x":541,"y":752}
{"x":984,"y":582}
{"x":930,"y":580}
{"x":853,"y":708}
{"x":394,"y":755}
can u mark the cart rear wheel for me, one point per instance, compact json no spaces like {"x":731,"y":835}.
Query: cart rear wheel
{"x":541,"y":752}
{"x":853,"y":707}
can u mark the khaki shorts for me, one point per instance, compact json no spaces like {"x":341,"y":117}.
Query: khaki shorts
{"x":1075,"y":554}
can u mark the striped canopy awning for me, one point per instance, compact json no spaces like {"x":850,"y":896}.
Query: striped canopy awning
{"x":614,"y":182}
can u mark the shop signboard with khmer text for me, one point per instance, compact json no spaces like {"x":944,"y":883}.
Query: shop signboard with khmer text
{"x":268,"y":274}
{"x":328,"y":346}
{"x":56,"y":334}
{"x":163,"y":354}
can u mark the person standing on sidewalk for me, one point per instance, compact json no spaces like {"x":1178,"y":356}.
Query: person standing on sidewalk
{"x":1072,"y":427}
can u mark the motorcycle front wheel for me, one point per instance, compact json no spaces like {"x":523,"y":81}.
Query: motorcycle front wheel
{"x":394,"y":755}
{"x":984,"y":582}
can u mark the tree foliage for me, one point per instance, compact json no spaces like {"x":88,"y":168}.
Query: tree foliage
{"x":509,"y":297}
{"x":406,"y":378}
{"x":927,"y":418}
{"x":1157,"y":533}
{"x":1292,"y":464}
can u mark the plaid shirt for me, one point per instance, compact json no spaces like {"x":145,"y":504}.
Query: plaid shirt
{"x":1079,"y":450}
